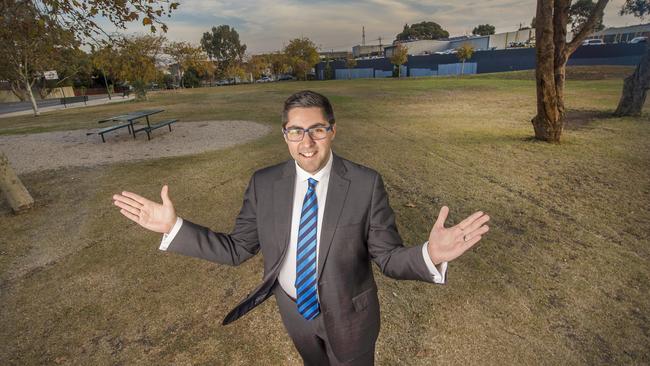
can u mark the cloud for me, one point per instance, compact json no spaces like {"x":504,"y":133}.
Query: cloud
{"x":336,"y":24}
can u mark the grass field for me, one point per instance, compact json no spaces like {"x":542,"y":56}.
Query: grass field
{"x":562,"y":277}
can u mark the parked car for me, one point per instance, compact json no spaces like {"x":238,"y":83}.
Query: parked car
{"x":286,"y":77}
{"x":639,"y":40}
{"x":592,"y":42}
{"x":264,"y":79}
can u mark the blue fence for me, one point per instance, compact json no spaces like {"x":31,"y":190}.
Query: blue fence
{"x":457,"y":68}
{"x":488,"y":61}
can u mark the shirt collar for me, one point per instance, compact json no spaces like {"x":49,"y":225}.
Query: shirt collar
{"x":322,"y":174}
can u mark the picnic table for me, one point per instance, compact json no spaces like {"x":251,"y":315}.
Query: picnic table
{"x":129,"y":120}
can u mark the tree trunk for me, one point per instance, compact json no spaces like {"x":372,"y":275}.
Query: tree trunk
{"x":635,"y":88}
{"x":549,"y":120}
{"x":31,"y":96}
{"x":17,"y":90}
{"x":108,"y":90}
{"x":19,"y":198}
{"x":552,"y":53}
{"x":462,"y":67}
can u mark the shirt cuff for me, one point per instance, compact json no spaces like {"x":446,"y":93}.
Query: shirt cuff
{"x":167,"y":238}
{"x":439,"y":272}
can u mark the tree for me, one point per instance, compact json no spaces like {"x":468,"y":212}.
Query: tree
{"x":552,"y":53}
{"x":280,"y":63}
{"x":79,"y":16}
{"x":464,"y":52}
{"x":329,"y":70}
{"x":579,"y":13}
{"x":186,"y":56}
{"x":235,"y":72}
{"x":258,"y":65}
{"x":223,"y":46}
{"x":399,"y":57}
{"x":350,"y":62}
{"x":29,"y":46}
{"x":136,"y":61}
{"x":423,"y":30}
{"x":105,"y":59}
{"x":635,"y":86}
{"x":302,"y":56}
{"x":483,"y":30}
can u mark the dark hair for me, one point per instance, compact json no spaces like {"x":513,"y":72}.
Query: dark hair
{"x":308,"y":99}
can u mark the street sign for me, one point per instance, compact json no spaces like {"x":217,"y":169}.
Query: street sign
{"x":51,"y":75}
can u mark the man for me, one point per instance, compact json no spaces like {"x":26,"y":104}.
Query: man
{"x":319,"y":220}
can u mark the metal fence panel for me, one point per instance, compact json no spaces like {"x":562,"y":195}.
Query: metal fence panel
{"x":383,"y":74}
{"x":354,"y":73}
{"x":455,"y":69}
{"x":422,"y":72}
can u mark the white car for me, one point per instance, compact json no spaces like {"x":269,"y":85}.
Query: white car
{"x":639,"y":40}
{"x":264,"y":79}
{"x":593,"y":42}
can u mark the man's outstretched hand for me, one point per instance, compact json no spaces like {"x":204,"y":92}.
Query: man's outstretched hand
{"x":148,"y":214}
{"x":447,"y":244}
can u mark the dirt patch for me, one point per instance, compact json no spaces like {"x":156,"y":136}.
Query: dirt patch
{"x":577,"y":119}
{"x":51,"y":150}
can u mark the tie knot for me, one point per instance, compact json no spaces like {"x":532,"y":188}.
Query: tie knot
{"x":312,"y":183}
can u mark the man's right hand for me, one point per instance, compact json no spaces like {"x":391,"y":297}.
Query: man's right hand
{"x":148,"y":214}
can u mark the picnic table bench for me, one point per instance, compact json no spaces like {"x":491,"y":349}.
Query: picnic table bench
{"x":68,"y":100}
{"x":128,"y":120}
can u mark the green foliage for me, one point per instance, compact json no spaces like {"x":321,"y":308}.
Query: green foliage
{"x":579,"y":12}
{"x":80,"y":17}
{"x":302,"y":56}
{"x":258,"y":65}
{"x":465,"y":52}
{"x":186,"y":56}
{"x":399,"y":57}
{"x":279,"y":62}
{"x":136,"y":61}
{"x":422,"y":30}
{"x":638,"y":8}
{"x":236,"y":72}
{"x":30,"y":46}
{"x":329,"y":70}
{"x":191,"y":78}
{"x":223,"y":46}
{"x":483,"y":30}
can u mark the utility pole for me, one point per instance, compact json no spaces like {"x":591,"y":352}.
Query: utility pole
{"x":363,"y":35}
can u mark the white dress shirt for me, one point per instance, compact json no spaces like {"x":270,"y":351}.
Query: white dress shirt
{"x":287,"y":276}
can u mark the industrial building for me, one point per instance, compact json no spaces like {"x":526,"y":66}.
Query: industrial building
{"x":622,"y":34}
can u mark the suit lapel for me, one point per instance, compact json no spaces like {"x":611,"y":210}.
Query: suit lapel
{"x":283,"y":206}
{"x":336,"y":194}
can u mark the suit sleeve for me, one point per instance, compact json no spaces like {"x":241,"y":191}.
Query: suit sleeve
{"x":385,"y":244}
{"x":233,"y":249}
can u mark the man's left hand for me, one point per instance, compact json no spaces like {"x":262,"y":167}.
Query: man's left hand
{"x":447,"y":244}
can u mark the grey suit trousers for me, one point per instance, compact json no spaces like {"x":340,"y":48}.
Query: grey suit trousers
{"x":310,"y":336}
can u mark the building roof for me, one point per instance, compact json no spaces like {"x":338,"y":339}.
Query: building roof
{"x":639,"y":28}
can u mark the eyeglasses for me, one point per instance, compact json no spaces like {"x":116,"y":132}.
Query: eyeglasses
{"x":296,"y":134}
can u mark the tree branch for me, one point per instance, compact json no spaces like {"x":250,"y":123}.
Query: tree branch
{"x":588,"y":27}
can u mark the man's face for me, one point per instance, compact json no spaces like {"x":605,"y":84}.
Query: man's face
{"x":310,"y":154}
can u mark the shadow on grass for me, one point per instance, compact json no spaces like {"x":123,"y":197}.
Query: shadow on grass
{"x":576,"y":119}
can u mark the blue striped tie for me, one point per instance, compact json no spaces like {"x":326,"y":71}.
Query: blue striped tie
{"x":307,"y":299}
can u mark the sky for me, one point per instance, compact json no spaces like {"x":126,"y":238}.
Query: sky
{"x":266,"y":26}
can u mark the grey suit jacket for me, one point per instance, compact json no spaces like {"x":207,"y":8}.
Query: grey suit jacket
{"x":358,"y":226}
